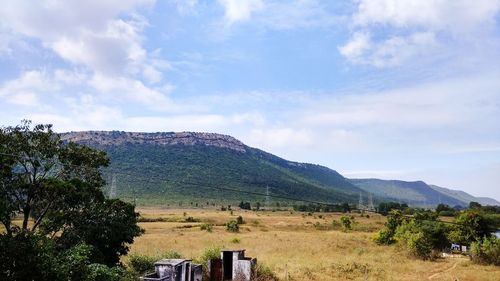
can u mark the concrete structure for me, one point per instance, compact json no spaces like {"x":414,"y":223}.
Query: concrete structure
{"x":232,"y":265}
{"x":456,"y":248}
{"x":175,"y":270}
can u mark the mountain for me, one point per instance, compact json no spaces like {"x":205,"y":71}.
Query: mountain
{"x":182,"y":168}
{"x":202,"y":168}
{"x":464,"y":196}
{"x":418,"y":193}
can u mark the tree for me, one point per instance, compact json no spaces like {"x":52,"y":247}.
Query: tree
{"x":56,"y":187}
{"x":471,"y":226}
{"x":35,"y":164}
{"x":424,"y":239}
{"x":394,"y":219}
{"x":474,"y":205}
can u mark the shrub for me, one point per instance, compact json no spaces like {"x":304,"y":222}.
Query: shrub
{"x":447,"y":213}
{"x":235,"y":240}
{"x":486,"y":251}
{"x":422,"y":239}
{"x":209,"y":253}
{"x":142,"y":264}
{"x":232,"y":226}
{"x":386,"y":236}
{"x":471,"y":226}
{"x":346,"y":223}
{"x":170,"y":254}
{"x":101,"y":272}
{"x":239,"y":220}
{"x":206,"y":226}
{"x":264,"y":273}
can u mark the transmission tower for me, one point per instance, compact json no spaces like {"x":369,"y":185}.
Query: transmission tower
{"x":370,"y":202}
{"x":360,"y":203}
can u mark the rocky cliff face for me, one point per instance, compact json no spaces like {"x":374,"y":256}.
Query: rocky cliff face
{"x":163,"y":138}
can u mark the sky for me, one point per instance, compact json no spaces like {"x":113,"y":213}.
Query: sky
{"x":393,"y":89}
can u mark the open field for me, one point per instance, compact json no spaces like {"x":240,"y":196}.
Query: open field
{"x":307,"y":247}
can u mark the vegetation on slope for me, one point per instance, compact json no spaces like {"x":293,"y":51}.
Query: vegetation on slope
{"x":193,"y":173}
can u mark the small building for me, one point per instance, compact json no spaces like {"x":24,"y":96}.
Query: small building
{"x":175,"y":270}
{"x":232,"y":265}
{"x":456,"y":248}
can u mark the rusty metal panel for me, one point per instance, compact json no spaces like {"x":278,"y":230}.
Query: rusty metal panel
{"x":215,"y":270}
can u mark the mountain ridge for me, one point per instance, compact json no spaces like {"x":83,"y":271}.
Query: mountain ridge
{"x":222,"y":160}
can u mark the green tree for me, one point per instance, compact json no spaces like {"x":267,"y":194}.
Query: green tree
{"x":474,"y":205}
{"x":36,"y":167}
{"x":422,"y":238}
{"x":394,"y":219}
{"x":471,"y":226}
{"x":56,"y":188}
{"x":486,"y":251}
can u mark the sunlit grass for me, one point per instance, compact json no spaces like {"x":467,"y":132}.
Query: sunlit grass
{"x":307,"y":247}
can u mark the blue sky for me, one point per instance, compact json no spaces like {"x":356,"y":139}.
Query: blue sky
{"x":372,"y":88}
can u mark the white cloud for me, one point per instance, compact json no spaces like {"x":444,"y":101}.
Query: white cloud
{"x":276,"y":138}
{"x":297,"y":14}
{"x":185,"y":7}
{"x":89,"y":33}
{"x":415,"y":30}
{"x":278,"y":15}
{"x":240,"y":10}
{"x":25,"y":89}
{"x":393,"y":51}
{"x":355,"y":48}
{"x":134,"y":90}
{"x":452,"y":15}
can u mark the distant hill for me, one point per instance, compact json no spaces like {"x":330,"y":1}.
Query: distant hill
{"x":464,"y":196}
{"x":185,"y":167}
{"x":418,"y":193}
{"x":199,"y":168}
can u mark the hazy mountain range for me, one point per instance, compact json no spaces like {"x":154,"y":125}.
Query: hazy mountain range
{"x":203,"y":168}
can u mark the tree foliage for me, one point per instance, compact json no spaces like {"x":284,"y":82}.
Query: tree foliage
{"x":67,"y":223}
{"x":471,"y":226}
{"x":486,"y":251}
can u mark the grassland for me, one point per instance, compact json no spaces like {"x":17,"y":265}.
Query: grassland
{"x":302,"y":246}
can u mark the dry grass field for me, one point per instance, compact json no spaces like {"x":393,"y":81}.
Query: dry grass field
{"x":304,"y":247}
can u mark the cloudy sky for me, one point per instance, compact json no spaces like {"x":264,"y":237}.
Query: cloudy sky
{"x":395,"y":89}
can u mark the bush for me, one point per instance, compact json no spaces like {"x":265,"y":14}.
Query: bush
{"x":142,"y":264}
{"x":448,"y":213}
{"x":346,"y":223}
{"x":240,"y":220}
{"x":170,"y":254}
{"x":235,"y":240}
{"x":209,"y":253}
{"x":232,"y":226}
{"x":472,"y":226}
{"x":101,"y":272}
{"x":191,"y":219}
{"x":264,"y":273}
{"x":486,"y":251}
{"x":386,"y":236}
{"x":206,"y":226}
{"x":422,"y":239}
